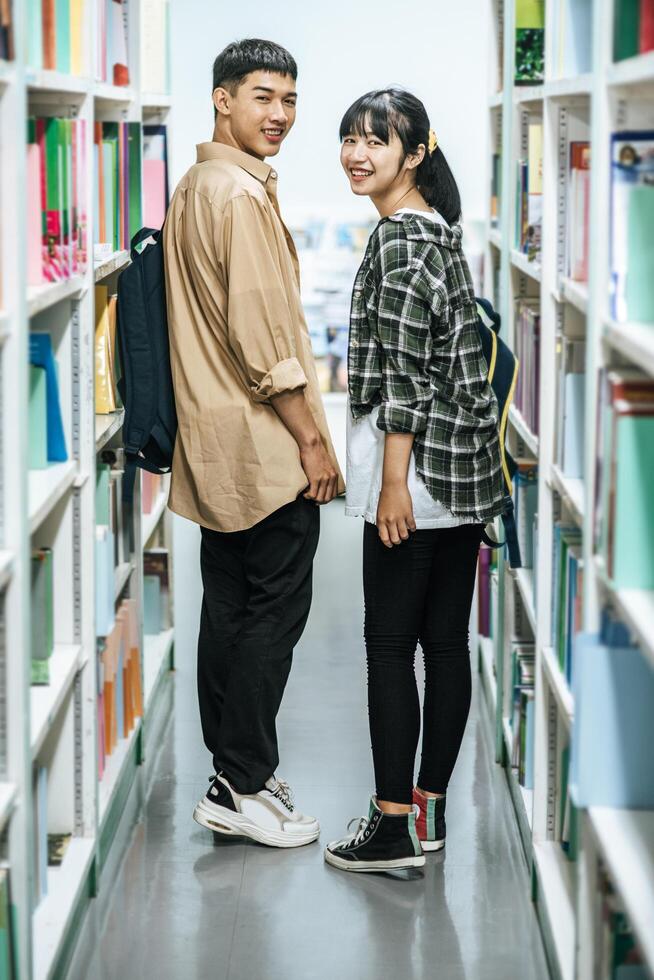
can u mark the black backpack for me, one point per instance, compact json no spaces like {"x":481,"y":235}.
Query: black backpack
{"x":502,"y":375}
{"x":146,"y":386}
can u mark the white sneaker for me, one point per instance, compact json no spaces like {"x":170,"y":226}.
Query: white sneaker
{"x":269,"y":816}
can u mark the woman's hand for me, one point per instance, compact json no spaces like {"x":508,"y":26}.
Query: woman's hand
{"x":395,"y":514}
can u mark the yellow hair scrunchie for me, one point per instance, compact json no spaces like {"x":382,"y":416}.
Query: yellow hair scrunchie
{"x":433,"y":141}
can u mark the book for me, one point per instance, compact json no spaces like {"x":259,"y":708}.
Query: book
{"x":577,"y":241}
{"x":34,"y":34}
{"x":525,"y":497}
{"x":527,"y":351}
{"x":105,"y":352}
{"x":105,"y":586}
{"x":117,"y":26}
{"x":155,"y":175}
{"x":41,"y":355}
{"x":34,"y":234}
{"x":117,"y":177}
{"x":156,"y":566}
{"x":646,"y":36}
{"x":626,"y":29}
{"x":570,"y":354}
{"x":38,"y":419}
{"x":529,"y":41}
{"x":41,"y":615}
{"x":630,"y":559}
{"x":529,"y":195}
{"x":573,"y":28}
{"x":632,"y":172}
{"x":7,"y":50}
{"x":574,"y":414}
{"x":8,"y":965}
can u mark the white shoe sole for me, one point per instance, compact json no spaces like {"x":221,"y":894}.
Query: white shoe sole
{"x":432,"y":845}
{"x":397,"y":864}
{"x":230,"y":823}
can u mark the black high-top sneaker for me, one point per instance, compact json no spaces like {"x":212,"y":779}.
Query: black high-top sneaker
{"x":381,"y":842}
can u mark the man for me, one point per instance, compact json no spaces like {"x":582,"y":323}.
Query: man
{"x":253,"y":456}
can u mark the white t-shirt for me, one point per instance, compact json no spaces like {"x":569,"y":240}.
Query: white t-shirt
{"x":365,"y":462}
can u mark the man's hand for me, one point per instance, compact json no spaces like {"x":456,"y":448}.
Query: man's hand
{"x":395,"y":514}
{"x":320,"y":472}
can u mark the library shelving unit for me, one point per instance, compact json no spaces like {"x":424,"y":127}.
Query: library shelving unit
{"x":53,"y":728}
{"x":585,"y":97}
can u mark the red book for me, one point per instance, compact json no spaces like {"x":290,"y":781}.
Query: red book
{"x":102,"y":222}
{"x":646,"y":26}
{"x":49,"y":34}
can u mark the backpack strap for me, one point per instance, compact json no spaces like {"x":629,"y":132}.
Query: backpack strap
{"x":140,"y":237}
{"x":510,"y":537}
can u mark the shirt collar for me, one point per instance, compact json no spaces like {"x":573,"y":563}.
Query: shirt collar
{"x":220,"y":151}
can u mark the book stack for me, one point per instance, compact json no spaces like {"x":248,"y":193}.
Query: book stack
{"x":41,"y":614}
{"x":155,"y":33}
{"x":120,"y":700}
{"x":613,"y":688}
{"x":632,"y":217}
{"x":529,"y":41}
{"x":156,"y":591}
{"x":571,"y":406}
{"x":529,"y":195}
{"x":112,"y":44}
{"x":496,"y":189}
{"x":57,"y":246}
{"x":577,"y":240}
{"x":567,"y":593}
{"x":525,"y":500}
{"x":624,"y":516}
{"x":573,"y":28}
{"x":47,"y":442}
{"x":527,"y":350}
{"x":117,"y":183}
{"x":633,"y":28}
{"x":107,"y":364}
{"x":8,"y":966}
{"x":155,"y":175}
{"x":7,"y":52}
{"x":56,"y":33}
{"x":618,"y":954}
{"x":522,"y":719}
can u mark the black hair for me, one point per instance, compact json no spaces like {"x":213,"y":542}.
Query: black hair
{"x":241,"y":58}
{"x":395,"y":110}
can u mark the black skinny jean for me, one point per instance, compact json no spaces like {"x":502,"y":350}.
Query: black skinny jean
{"x":419,"y":591}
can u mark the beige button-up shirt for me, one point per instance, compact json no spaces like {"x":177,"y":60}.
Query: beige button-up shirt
{"x":237,"y":338}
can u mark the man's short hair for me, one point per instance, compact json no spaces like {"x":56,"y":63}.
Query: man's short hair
{"x":241,"y":58}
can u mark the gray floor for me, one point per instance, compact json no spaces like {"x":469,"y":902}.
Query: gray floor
{"x":187,"y":906}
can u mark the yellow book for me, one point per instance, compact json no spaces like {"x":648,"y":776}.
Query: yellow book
{"x":77,"y":22}
{"x":105,"y":398}
{"x":535,"y":158}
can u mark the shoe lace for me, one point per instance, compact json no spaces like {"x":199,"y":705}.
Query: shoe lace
{"x":362,"y":824}
{"x":284,"y":793}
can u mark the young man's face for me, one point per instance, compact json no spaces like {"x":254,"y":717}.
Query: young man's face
{"x":261,"y":112}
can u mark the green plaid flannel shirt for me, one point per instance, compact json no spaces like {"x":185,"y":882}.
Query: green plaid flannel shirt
{"x":415,"y":351}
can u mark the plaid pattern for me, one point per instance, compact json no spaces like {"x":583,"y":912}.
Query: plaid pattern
{"x":415,"y":351}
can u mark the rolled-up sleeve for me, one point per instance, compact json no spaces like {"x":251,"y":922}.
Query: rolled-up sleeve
{"x":405,"y":310}
{"x":259,"y":316}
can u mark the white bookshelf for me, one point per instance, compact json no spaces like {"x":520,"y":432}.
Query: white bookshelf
{"x":599,"y":99}
{"x":54,"y":726}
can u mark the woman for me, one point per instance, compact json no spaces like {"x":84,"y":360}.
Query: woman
{"x":424,"y":471}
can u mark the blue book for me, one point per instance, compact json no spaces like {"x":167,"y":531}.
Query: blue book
{"x":42,"y":355}
{"x":151,"y":605}
{"x":614,"y":721}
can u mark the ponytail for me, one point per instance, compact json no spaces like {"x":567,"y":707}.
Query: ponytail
{"x":436,"y":183}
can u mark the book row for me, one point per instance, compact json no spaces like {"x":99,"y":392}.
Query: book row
{"x":56,"y":34}
{"x":119,"y":689}
{"x":633,"y":28}
{"x":527,"y":349}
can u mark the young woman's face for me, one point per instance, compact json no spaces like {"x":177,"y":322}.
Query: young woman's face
{"x":371,"y":165}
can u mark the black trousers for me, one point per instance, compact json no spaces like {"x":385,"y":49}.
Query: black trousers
{"x":257,"y":596}
{"x":420,"y":591}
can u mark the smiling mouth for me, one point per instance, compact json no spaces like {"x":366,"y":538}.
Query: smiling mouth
{"x":359,"y":173}
{"x":273,"y":133}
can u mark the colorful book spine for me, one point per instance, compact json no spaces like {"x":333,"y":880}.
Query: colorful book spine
{"x":632,"y":210}
{"x":579,"y":211}
{"x":117,"y":170}
{"x":529,"y":41}
{"x":626,"y":29}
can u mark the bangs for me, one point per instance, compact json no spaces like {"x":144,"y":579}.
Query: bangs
{"x":372,"y":113}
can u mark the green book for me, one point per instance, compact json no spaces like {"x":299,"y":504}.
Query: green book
{"x":5,"y":926}
{"x":34,"y":53}
{"x":626,"y":29}
{"x":151,"y":605}
{"x":134,"y":186}
{"x":633,"y":538}
{"x":640,"y":255}
{"x":62,"y":13}
{"x":111,"y":181}
{"x":38,"y":419}
{"x":102,"y":477}
{"x":42,"y":615}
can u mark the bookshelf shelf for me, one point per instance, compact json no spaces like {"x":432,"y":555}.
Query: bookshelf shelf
{"x":575,"y":293}
{"x":106,"y":427}
{"x":558,"y":685}
{"x":46,"y":700}
{"x":571,"y":490}
{"x":41,"y":298}
{"x":114,"y":768}
{"x":523,"y":799}
{"x":524,"y":95}
{"x":56,"y":82}
{"x":523,"y":430}
{"x":112,"y":95}
{"x":486,"y":657}
{"x":122,"y":575}
{"x":7,"y":802}
{"x":555,"y":887}
{"x":6,"y":567}
{"x":566,"y":88}
{"x":634,"y":341}
{"x":626,"y":842}
{"x":632,"y":71}
{"x":53,"y":914}
{"x":635,"y":607}
{"x":151,"y":101}
{"x":495,"y":238}
{"x":107,"y":267}
{"x":156,"y":654}
{"x":46,"y":488}
{"x":520,"y":261}
{"x":149,"y":521}
{"x":524,"y":578}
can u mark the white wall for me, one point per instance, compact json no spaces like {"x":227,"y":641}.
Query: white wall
{"x":436,"y":48}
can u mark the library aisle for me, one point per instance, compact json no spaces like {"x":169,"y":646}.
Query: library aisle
{"x":186,"y":905}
